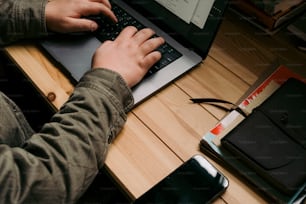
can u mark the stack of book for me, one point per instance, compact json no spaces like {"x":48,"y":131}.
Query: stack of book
{"x":211,"y":142}
{"x":298,"y":28}
{"x":270,"y":16}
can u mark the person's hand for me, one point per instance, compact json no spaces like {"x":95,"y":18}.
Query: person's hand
{"x":131,"y":54}
{"x":66,"y":16}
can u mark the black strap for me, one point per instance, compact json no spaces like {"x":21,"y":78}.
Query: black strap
{"x":212,"y":101}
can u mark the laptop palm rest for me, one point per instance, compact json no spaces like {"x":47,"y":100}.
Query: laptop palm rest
{"x":73,"y":52}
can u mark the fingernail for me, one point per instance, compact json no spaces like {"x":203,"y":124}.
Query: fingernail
{"x":93,"y":27}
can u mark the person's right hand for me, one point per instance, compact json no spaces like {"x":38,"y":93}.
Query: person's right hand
{"x":131,"y":54}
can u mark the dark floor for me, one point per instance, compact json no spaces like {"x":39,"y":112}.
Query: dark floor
{"x":37,"y":112}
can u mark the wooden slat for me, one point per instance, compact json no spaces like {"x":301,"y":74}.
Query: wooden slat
{"x":53,"y":71}
{"x":213,"y":80}
{"x":138,"y":159}
{"x":238,"y":51}
{"x":38,"y":74}
{"x":175,"y":120}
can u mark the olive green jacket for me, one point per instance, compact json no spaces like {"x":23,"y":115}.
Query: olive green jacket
{"x":57,"y":164}
{"x":21,"y":19}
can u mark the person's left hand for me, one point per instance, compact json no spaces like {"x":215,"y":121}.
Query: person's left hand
{"x":66,"y":16}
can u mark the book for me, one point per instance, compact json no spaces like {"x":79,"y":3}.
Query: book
{"x":272,"y":139}
{"x":210,"y":143}
{"x":269,"y":15}
{"x":298,"y":28}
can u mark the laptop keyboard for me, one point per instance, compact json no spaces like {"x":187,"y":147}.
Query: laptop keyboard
{"x":109,"y":31}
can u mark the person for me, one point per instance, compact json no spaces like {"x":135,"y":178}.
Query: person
{"x":58,"y":163}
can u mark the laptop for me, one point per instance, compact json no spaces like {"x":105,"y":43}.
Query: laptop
{"x":188,"y":27}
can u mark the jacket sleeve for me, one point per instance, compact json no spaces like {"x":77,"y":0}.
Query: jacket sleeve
{"x":21,"y":19}
{"x":57,"y":164}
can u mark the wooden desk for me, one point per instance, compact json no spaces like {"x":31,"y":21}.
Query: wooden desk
{"x":165,"y":130}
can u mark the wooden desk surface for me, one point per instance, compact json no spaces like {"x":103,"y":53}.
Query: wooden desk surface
{"x":165,"y":130}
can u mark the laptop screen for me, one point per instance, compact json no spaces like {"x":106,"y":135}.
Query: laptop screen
{"x":192,"y":22}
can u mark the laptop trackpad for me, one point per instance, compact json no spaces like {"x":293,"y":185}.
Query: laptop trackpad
{"x":73,"y":52}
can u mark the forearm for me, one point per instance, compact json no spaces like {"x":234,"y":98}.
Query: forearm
{"x":58,"y":163}
{"x":21,"y":19}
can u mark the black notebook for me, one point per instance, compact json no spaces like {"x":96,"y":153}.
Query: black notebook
{"x":272,"y":139}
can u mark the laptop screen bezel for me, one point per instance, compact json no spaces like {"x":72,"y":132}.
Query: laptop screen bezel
{"x":191,"y":36}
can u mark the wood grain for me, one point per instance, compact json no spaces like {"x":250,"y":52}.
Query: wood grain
{"x":165,"y":130}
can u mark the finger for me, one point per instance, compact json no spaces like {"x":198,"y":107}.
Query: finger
{"x":143,"y":35}
{"x":150,"y":59}
{"x":110,"y":14}
{"x":127,"y":33}
{"x":81,"y":25}
{"x":152,"y":44}
{"x":95,"y":8}
{"x":105,"y":2}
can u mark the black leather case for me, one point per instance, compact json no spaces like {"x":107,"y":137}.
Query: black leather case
{"x":272,"y":140}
